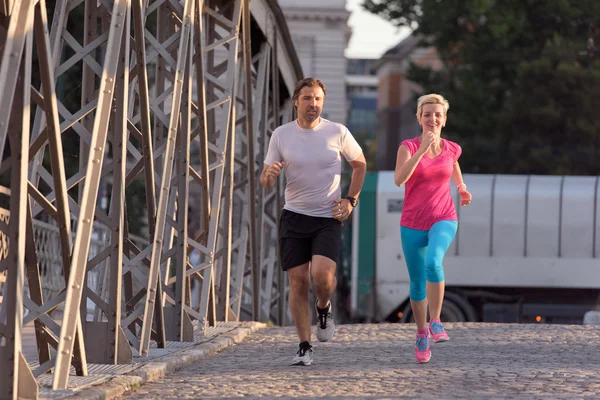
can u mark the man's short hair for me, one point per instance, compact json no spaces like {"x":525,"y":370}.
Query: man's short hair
{"x":308,"y":82}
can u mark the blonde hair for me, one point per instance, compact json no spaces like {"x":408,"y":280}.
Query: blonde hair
{"x":431,"y":98}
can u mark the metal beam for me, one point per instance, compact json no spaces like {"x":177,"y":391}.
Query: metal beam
{"x":22,"y":11}
{"x":161,"y":213}
{"x":89,"y":195}
{"x":250,"y":137}
{"x":17,"y":381}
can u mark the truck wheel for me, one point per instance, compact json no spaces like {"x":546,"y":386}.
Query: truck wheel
{"x":463,"y":304}
{"x":452,"y":313}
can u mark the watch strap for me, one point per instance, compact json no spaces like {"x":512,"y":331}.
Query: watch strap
{"x":352,"y":200}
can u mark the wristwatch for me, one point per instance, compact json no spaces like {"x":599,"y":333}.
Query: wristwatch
{"x":352,"y":200}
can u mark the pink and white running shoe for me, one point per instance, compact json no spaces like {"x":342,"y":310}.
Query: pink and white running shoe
{"x":422,"y":349}
{"x":436,"y":329}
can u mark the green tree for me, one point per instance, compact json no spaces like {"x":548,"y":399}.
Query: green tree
{"x":560,"y":134}
{"x":366,"y":141}
{"x":519,"y":77}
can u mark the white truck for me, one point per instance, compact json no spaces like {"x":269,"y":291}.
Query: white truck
{"x":527,"y":249}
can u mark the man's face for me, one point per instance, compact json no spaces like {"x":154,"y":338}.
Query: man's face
{"x":310,"y":103}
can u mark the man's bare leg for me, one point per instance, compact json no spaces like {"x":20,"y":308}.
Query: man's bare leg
{"x":324,"y":282}
{"x":299,"y":306}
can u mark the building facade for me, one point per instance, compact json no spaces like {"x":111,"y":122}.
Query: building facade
{"x":361,"y":104}
{"x":320,"y":33}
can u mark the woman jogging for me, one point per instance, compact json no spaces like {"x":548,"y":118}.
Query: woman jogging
{"x":428,"y":223}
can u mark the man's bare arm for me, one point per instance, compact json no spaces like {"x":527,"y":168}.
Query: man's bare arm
{"x":359,"y":171}
{"x":269,"y":174}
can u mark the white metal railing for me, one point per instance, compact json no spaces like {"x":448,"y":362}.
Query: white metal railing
{"x":47,"y":249}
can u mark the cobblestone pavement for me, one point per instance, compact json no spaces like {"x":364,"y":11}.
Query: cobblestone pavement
{"x":377,"y":361}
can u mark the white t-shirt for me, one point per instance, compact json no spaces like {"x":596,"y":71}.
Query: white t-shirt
{"x":313,"y":165}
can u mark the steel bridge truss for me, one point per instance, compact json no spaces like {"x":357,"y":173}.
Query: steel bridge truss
{"x":178,"y":100}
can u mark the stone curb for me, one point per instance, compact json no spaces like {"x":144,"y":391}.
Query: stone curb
{"x":154,"y":370}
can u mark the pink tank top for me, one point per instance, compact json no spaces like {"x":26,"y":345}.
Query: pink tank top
{"x":427,"y":197}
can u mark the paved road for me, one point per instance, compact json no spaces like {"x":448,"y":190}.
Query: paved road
{"x":377,"y":361}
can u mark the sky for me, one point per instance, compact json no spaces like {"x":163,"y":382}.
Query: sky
{"x":371,"y":35}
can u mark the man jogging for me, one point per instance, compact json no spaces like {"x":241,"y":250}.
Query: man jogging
{"x":309,"y":152}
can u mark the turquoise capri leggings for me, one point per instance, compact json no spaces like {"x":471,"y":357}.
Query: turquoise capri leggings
{"x":424,"y":252}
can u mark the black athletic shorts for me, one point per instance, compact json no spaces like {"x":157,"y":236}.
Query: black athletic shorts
{"x":302,"y":236}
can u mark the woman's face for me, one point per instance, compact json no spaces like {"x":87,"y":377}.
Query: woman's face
{"x":433,"y":118}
